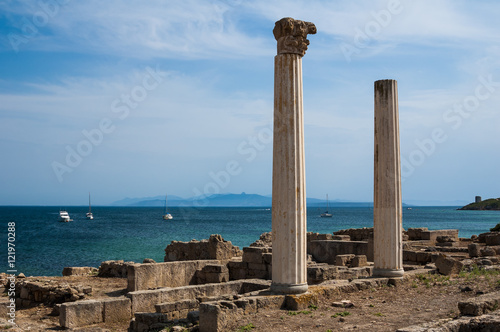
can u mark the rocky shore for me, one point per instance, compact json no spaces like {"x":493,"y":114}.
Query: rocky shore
{"x":450,"y":284}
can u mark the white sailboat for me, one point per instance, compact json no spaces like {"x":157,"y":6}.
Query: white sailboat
{"x":89,"y":215}
{"x":166,"y":215}
{"x":326,"y":214}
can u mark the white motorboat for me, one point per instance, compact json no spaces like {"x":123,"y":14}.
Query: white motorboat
{"x":166,"y":215}
{"x":64,"y":216}
{"x":89,"y":214}
{"x":326,"y":214}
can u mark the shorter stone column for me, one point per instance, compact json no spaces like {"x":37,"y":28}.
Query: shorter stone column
{"x":387,"y":204}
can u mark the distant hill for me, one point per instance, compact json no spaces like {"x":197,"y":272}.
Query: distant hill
{"x":156,"y":199}
{"x":227,"y":200}
{"x":489,"y":204}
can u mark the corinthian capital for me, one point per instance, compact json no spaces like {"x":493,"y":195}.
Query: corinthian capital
{"x":292,"y":35}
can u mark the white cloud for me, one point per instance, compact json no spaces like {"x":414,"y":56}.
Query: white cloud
{"x":175,"y":29}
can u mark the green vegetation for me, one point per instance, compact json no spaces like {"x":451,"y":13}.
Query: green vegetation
{"x":496,"y":228}
{"x":341,"y":314}
{"x":247,"y":327}
{"x":379,"y":314}
{"x":478,"y":272}
{"x":313,"y":307}
{"x":489,"y":204}
{"x":430,"y":280}
{"x":294,"y":313}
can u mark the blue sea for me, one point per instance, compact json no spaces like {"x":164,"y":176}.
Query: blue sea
{"x":44,"y":246}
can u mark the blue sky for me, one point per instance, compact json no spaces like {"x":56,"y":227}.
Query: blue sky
{"x":132,"y":98}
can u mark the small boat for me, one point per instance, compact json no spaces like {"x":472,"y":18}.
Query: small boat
{"x":89,"y":214}
{"x":166,"y":215}
{"x":326,"y":214}
{"x":64,"y":216}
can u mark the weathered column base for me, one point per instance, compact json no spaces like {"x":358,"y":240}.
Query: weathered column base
{"x":288,"y":288}
{"x":391,"y":273}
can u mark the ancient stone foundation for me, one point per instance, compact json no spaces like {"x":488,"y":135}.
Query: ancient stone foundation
{"x":213,"y":248}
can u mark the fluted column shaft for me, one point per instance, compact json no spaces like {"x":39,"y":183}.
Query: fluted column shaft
{"x":289,"y":179}
{"x":387,"y":205}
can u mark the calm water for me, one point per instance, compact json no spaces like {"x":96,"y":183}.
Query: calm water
{"x":45,"y":246}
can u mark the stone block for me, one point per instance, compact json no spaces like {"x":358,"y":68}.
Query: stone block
{"x":409,"y":256}
{"x":267,"y":257}
{"x":492,"y":239}
{"x":214,"y":317}
{"x":145,"y":301}
{"x":359,"y":261}
{"x":143,"y":321}
{"x":81,"y":313}
{"x":415,"y":234}
{"x":447,"y":265}
{"x":445,"y":239}
{"x":237,"y":269}
{"x":248,"y":305}
{"x":166,"y":274}
{"x":165,"y":307}
{"x":344,"y":260}
{"x":255,"y":266}
{"x":258,"y":274}
{"x":254,"y":254}
{"x":215,"y":268}
{"x":117,"y":310}
{"x":216,"y":278}
{"x":78,"y":271}
{"x":341,"y":238}
{"x":423,"y":257}
{"x":324,"y":236}
{"x":480,"y":305}
{"x":431,"y":236}
{"x":325,"y":251}
{"x":270,"y":302}
{"x":213,"y":248}
{"x":487,"y":251}
{"x":193,"y":316}
{"x":300,"y":301}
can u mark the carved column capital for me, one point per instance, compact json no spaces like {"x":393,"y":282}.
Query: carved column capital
{"x":292,"y":35}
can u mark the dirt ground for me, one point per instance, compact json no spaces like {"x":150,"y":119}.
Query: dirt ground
{"x":419,"y":298}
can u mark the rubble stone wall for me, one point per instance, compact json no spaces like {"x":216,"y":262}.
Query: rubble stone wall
{"x":166,"y":274}
{"x":213,"y":248}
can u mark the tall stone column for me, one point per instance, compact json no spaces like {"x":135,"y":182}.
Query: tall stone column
{"x":289,"y":268}
{"x":387,"y":204}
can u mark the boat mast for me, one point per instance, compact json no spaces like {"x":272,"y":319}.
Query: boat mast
{"x":165,"y":204}
{"x":90,"y":209}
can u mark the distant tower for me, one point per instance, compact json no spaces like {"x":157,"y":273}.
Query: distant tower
{"x":478,"y":199}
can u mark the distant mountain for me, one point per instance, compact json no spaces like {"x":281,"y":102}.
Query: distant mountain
{"x":156,"y":201}
{"x":227,"y":200}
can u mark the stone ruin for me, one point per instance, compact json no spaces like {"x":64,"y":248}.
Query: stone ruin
{"x":211,"y":282}
{"x":211,"y":291}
